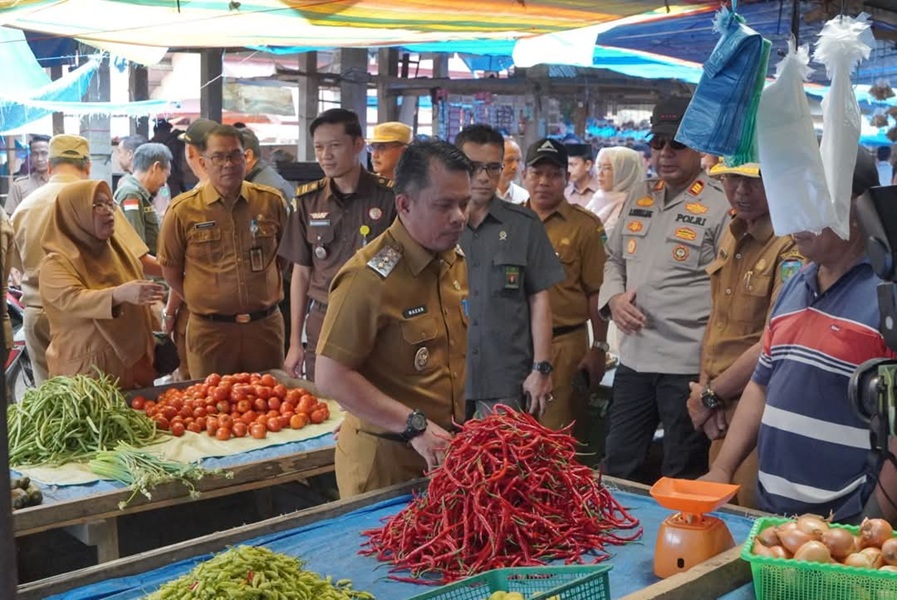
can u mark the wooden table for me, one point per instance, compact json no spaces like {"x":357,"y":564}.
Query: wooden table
{"x":711,"y":579}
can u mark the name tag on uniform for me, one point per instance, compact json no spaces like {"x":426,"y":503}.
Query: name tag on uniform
{"x":640,"y":212}
{"x":319,"y":223}
{"x":414,"y":312}
{"x":512,"y":278}
{"x":205,"y":225}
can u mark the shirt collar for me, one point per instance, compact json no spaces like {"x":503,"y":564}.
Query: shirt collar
{"x":563,"y":209}
{"x":810,"y":273}
{"x":210,"y":195}
{"x":761,"y":230}
{"x":417,"y":256}
{"x":365,"y":187}
{"x":497,"y":209}
{"x":591,"y":185}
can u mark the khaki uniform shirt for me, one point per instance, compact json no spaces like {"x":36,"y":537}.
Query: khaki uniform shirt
{"x":228,"y":252}
{"x":29,"y":221}
{"x":661,"y":248}
{"x":22,"y":187}
{"x":509,"y":259}
{"x":581,"y":196}
{"x":136,"y":203}
{"x":576,"y":235}
{"x":325,"y":227}
{"x":745,"y":278}
{"x":397,"y":315}
{"x":7,"y":249}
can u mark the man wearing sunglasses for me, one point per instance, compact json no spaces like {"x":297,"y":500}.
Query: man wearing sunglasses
{"x":657,"y":291}
{"x":511,"y":265}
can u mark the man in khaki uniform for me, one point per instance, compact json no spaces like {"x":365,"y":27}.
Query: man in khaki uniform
{"x":332,"y":218}
{"x":576,"y":235}
{"x":218,"y":251}
{"x":386,"y":147}
{"x":39,"y":152}
{"x":393,"y":348}
{"x":751,"y":266}
{"x":69,"y":162}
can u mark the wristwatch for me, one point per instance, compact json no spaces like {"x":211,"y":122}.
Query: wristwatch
{"x":543,"y":367}
{"x":710,"y":399}
{"x":415,"y":425}
{"x":603,"y":346}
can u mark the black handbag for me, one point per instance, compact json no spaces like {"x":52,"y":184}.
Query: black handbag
{"x":165,"y":359}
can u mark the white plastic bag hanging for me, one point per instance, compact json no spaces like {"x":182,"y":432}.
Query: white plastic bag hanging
{"x":789,"y":153}
{"x":843,"y":43}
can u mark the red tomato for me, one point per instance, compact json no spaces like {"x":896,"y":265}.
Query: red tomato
{"x":318,"y":416}
{"x":274,"y":403}
{"x":240,"y":429}
{"x":244,"y":406}
{"x":262,"y":392}
{"x":241,"y":377}
{"x":201,"y":422}
{"x":261,"y":405}
{"x":225,"y":421}
{"x":211,"y":409}
{"x":288,"y":415}
{"x":228,"y":379}
{"x":249,"y":417}
{"x":161,"y":423}
{"x":258,"y":431}
{"x":169,"y":412}
{"x":189,"y":420}
{"x":194,"y":427}
{"x":213,"y":379}
{"x":177,"y":429}
{"x":185,"y":412}
{"x":306,"y":405}
{"x":284,"y":421}
{"x":223,"y":434}
{"x":223,"y":406}
{"x":199,"y":411}
{"x":287,"y":407}
{"x":149,"y":404}
{"x":273,"y":414}
{"x":293,"y":396}
{"x":212,"y":424}
{"x":138,"y":403}
{"x":298,"y":421}
{"x":268,"y":380}
{"x":274,"y":425}
{"x":279,"y":390}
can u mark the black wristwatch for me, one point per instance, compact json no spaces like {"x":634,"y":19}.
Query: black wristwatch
{"x":543,"y":367}
{"x":415,"y":425}
{"x":710,"y":399}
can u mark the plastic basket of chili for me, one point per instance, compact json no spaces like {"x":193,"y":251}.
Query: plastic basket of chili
{"x":574,"y":582}
{"x":789,"y":579}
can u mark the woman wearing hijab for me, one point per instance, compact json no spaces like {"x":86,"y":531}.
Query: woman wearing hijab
{"x":93,"y":291}
{"x":620,"y":169}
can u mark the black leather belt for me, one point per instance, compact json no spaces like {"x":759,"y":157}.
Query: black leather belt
{"x":318,"y":306}
{"x":242,"y":317}
{"x":392,"y":437}
{"x":559,"y":331}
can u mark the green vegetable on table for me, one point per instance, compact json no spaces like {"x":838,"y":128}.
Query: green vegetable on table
{"x":247,"y":572}
{"x":69,"y":419}
{"x":142,"y":471}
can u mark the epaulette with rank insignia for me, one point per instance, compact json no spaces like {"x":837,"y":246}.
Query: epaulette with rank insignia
{"x":309,"y":188}
{"x":696,"y":188}
{"x":384,"y":181}
{"x":385,"y":261}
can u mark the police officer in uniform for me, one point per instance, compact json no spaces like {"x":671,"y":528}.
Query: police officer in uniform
{"x":38,"y":156}
{"x":657,"y":290}
{"x":577,"y":237}
{"x":332,"y":218}
{"x":394,"y":343}
{"x":751,"y":266}
{"x":218,"y":251}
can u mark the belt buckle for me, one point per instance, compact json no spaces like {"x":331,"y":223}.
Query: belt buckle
{"x":243,"y":318}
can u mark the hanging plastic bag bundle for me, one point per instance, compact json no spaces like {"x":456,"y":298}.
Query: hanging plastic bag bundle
{"x":790,"y":161}
{"x":843,"y":43}
{"x":722,"y":103}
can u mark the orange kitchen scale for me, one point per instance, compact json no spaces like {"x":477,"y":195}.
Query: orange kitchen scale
{"x":690,"y":536}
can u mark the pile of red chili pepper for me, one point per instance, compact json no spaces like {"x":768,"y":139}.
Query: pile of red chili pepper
{"x":509,"y":493}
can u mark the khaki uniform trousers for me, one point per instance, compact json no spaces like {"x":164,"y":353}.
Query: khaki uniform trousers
{"x":364,"y":462}
{"x":217,"y":347}
{"x":37,"y":339}
{"x":314,"y":321}
{"x":180,"y":340}
{"x":746,"y":473}
{"x":567,"y":351}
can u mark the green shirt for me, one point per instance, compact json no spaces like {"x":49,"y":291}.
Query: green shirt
{"x":137,"y":204}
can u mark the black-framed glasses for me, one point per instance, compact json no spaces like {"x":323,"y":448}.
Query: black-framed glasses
{"x":219,"y":159}
{"x":491,"y":169}
{"x":659,"y":141}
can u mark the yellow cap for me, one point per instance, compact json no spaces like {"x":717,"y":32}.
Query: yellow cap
{"x":69,"y":146}
{"x":746,"y":170}
{"x":391,"y":131}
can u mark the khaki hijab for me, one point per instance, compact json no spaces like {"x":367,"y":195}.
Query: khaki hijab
{"x":99,"y":264}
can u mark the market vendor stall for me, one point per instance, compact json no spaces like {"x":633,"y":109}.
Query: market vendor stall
{"x":328,"y":538}
{"x":89,"y":507}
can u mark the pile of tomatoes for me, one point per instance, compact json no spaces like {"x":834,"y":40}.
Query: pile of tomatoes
{"x":226,"y":406}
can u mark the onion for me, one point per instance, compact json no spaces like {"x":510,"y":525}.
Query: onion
{"x":859,"y":560}
{"x":812,"y":525}
{"x":779,"y":552}
{"x":760,"y":550}
{"x":794,"y":538}
{"x":813,"y":551}
{"x":786,"y":525}
{"x":768,"y":536}
{"x":875,"y":532}
{"x":889,"y":551}
{"x":889,"y":568}
{"x":840,"y":542}
{"x":875,"y":556}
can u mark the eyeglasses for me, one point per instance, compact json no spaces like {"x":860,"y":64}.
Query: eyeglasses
{"x":658,"y":142}
{"x":101,"y":207}
{"x":491,"y":169}
{"x":219,"y":160}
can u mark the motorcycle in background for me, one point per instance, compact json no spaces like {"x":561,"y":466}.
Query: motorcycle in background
{"x":19,"y":373}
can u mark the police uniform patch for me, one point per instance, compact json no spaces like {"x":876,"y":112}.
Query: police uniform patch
{"x":502,"y":236}
{"x":318,"y":215}
{"x":385,"y":261}
{"x":658,"y":186}
{"x":631,"y":245}
{"x":640,"y":212}
{"x":696,"y":188}
{"x":646,"y":201}
{"x":130,"y":204}
{"x":512,"y":277}
{"x":635,"y":226}
{"x":421,"y":358}
{"x":788,"y":268}
{"x":696,"y":208}
{"x":686,"y":233}
{"x":680,"y":253}
{"x":414,"y":312}
{"x":309,"y":187}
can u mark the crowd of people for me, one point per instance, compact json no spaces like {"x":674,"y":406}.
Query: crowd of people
{"x":461,"y":276}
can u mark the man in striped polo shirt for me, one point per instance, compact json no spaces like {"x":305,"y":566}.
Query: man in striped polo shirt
{"x":814,"y":452}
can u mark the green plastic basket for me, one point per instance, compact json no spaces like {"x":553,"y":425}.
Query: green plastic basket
{"x":788,"y":579}
{"x":575,"y":582}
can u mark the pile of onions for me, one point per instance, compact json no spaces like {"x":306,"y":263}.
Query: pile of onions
{"x":811,"y":538}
